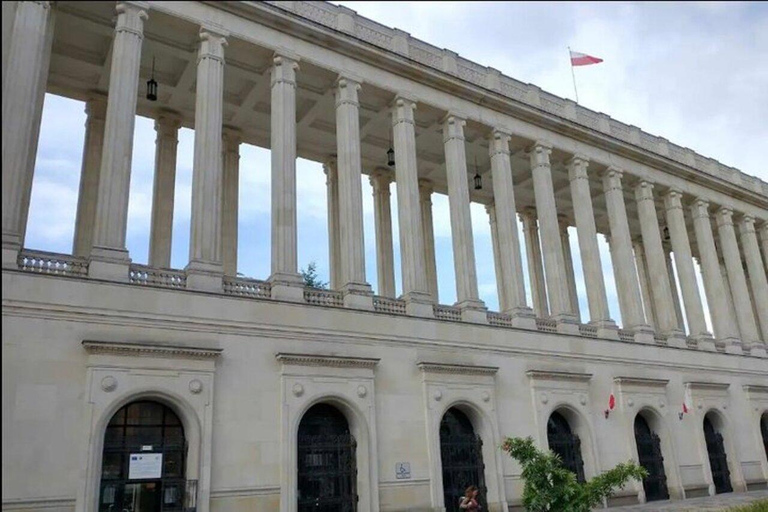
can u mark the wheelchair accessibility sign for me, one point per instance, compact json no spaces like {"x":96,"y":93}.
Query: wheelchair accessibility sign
{"x":403,"y":470}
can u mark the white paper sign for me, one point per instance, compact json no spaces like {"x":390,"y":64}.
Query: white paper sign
{"x":145,"y":465}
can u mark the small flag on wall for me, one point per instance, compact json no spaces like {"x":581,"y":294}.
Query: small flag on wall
{"x":611,"y":405}
{"x":687,"y":403}
{"x":582,"y":59}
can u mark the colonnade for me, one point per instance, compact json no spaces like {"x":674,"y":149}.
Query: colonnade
{"x":648,"y":295}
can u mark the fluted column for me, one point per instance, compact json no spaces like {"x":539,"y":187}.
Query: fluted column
{"x":109,"y":256}
{"x":286,"y":281}
{"x":714,"y":287}
{"x":490,"y":209}
{"x":666,"y":319}
{"x":428,"y":232}
{"x":415,"y":291}
{"x":649,"y":306}
{"x":673,"y":288}
{"x":334,"y":239}
{"x":467,"y":297}
{"x":25,"y":75}
{"x":570,"y":273}
{"x":756,"y":272}
{"x":385,"y":259}
{"x":509,"y":273}
{"x":535,"y":263}
{"x":763,"y":230}
{"x":230,"y":192}
{"x":551,"y":244}
{"x":205,"y":270}
{"x":96,"y":111}
{"x":686,"y":273}
{"x":163,"y":189}
{"x":586,"y":232}
{"x":623,"y":259}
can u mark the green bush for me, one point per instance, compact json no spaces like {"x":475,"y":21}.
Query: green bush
{"x":758,"y":506}
{"x":551,"y":487}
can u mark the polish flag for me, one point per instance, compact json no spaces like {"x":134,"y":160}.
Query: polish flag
{"x":582,"y":59}
{"x":611,"y":402}
{"x":687,"y":402}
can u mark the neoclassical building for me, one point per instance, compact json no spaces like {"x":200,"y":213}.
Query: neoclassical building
{"x":147,"y":388}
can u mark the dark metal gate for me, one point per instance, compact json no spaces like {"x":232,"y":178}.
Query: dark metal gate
{"x":327,"y":468}
{"x":649,"y":453}
{"x":566,"y":444}
{"x":718,"y":460}
{"x":461,"y":452}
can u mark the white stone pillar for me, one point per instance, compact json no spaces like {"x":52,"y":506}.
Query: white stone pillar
{"x":535,"y":263}
{"x":205,"y":271}
{"x":161,"y":228}
{"x":756,"y":272}
{"x":623,"y":259}
{"x":96,"y":112}
{"x":509,"y":273}
{"x":357,"y":292}
{"x":25,"y":76}
{"x":764,"y":242}
{"x":467,"y":297}
{"x":649,"y":306}
{"x":330,"y":169}
{"x":415,"y":291}
{"x":230,"y":194}
{"x":382,"y":210}
{"x":109,"y":256}
{"x":428,"y":233}
{"x":570,"y":272}
{"x":287,"y":283}
{"x":686,"y":273}
{"x":666,"y":319}
{"x":714,"y":287}
{"x":490,"y":209}
{"x":673,"y":288}
{"x":586,"y":231}
{"x":551,"y":244}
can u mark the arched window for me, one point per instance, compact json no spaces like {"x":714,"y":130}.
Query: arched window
{"x":327,"y":464}
{"x":649,"y":453}
{"x":461,"y":453}
{"x":718,"y":460}
{"x":144,"y":460}
{"x":566,"y":444}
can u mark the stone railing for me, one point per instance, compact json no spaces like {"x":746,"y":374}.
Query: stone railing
{"x":51,"y":263}
{"x":324,"y":297}
{"x":163,"y":277}
{"x":346,"y":20}
{"x":590,"y":331}
{"x":451,"y":313}
{"x":546,"y":325}
{"x":247,"y":287}
{"x":625,"y":335}
{"x":499,"y":319}
{"x":388,"y":305}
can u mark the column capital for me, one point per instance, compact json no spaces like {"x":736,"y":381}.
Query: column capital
{"x":700,"y":208}
{"x":284,"y":69}
{"x":644,"y":191}
{"x":577,"y":167}
{"x":498,"y":142}
{"x":232,"y":138}
{"x":167,"y":123}
{"x":380,"y":180}
{"x":130,"y":17}
{"x":330,"y":167}
{"x":453,"y":127}
{"x":724,"y":216}
{"x":212,"y":44}
{"x":747,"y":224}
{"x":96,"y":107}
{"x":612,"y":179}
{"x":346,"y":90}
{"x":539,"y":153}
{"x":527,"y":214}
{"x":763,"y":229}
{"x":402,"y":110}
{"x":426,"y":187}
{"x":673,"y":199}
{"x":490,"y":209}
{"x":563,"y":222}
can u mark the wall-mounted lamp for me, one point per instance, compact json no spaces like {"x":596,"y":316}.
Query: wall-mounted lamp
{"x":152,"y":84}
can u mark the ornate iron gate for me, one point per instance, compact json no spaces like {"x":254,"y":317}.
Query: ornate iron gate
{"x":718,"y":460}
{"x":461,"y":452}
{"x":649,"y":453}
{"x":566,"y":444}
{"x":327,"y":472}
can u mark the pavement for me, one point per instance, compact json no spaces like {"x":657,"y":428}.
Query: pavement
{"x":720,"y":502}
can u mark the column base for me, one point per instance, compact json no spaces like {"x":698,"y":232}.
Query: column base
{"x":676,"y":338}
{"x":287,"y":286}
{"x":606,"y":329}
{"x":358,"y":296}
{"x":473,"y":311}
{"x":109,"y":264}
{"x":522,"y":317}
{"x":758,"y":349}
{"x":643,"y":334}
{"x":567,"y":323}
{"x":205,"y":276}
{"x":732,"y":346}
{"x":704,"y":342}
{"x":419,"y":304}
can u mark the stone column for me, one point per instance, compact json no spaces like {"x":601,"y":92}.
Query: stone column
{"x":551,"y":244}
{"x":230,"y":194}
{"x":205,"y":271}
{"x":415,"y":291}
{"x":385,"y":258}
{"x":535,"y":263}
{"x":673,"y":288}
{"x":357,"y":292}
{"x":467,"y":297}
{"x":161,"y":227}
{"x":756,"y":272}
{"x":623,"y":259}
{"x":649,"y":306}
{"x":428,"y":233}
{"x":334,"y":239}
{"x":666,"y":319}
{"x":25,"y":76}
{"x":737,"y":281}
{"x":287,"y":283}
{"x":509,"y":273}
{"x":764,"y":242}
{"x":96,"y":112}
{"x":570,"y":273}
{"x":686,"y":273}
{"x":586,"y":231}
{"x":109,"y":256}
{"x":714,"y":286}
{"x":490,"y":209}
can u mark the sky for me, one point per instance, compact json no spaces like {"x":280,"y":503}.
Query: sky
{"x":695,"y":73}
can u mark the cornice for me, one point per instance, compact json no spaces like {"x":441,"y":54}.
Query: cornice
{"x":150,"y":350}
{"x":327,"y":361}
{"x":641,"y":381}
{"x":558,"y":376}
{"x":716,"y":386}
{"x":756,"y":389}
{"x":457,"y":369}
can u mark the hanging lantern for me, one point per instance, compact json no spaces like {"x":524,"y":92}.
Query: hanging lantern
{"x":478,"y":182}
{"x":391,"y":157}
{"x":152,"y":84}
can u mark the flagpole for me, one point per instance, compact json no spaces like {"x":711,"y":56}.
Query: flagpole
{"x":573,"y":74}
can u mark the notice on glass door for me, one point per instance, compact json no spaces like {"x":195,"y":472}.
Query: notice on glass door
{"x":145,"y":465}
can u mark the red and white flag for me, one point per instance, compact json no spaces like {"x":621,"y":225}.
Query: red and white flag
{"x":582,"y":59}
{"x":687,"y":402}
{"x":611,"y":402}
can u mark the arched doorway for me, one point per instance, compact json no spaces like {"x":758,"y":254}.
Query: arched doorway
{"x":718,"y":460}
{"x":764,"y":432}
{"x":144,"y":460}
{"x":327,"y":462}
{"x":649,"y":453}
{"x":566,"y":444}
{"x":461,"y":454}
